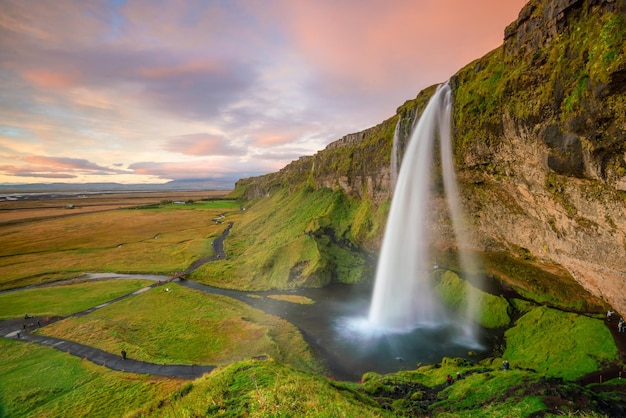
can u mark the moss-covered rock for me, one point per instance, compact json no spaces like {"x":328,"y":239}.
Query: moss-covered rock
{"x":559,"y":344}
{"x":454,"y":291}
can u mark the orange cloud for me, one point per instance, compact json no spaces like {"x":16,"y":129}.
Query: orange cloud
{"x":273,"y":139}
{"x":36,"y":171}
{"x":49,"y":78}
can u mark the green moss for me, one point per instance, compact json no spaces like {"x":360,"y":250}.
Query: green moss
{"x":494,"y":310}
{"x":542,"y":284}
{"x":559,"y":344}
{"x":267,"y":388}
{"x":521,"y":306}
{"x":298,"y":237}
{"x":556,"y":83}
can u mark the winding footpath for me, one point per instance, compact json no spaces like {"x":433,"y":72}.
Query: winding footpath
{"x":18,"y":329}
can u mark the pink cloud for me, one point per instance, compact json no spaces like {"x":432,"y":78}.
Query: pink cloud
{"x":273,"y":139}
{"x":379,"y":43}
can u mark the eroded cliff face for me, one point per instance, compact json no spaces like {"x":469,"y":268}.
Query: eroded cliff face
{"x":550,"y":178}
{"x":540,"y":140}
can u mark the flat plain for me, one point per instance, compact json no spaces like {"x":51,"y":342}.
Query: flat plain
{"x":46,"y":239}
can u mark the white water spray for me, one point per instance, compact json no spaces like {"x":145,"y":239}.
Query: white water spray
{"x":403,"y":297}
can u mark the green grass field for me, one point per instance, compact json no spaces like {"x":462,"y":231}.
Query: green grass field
{"x":161,"y":241}
{"x":184,"y":326}
{"x":43,"y":382}
{"x":65,"y":299}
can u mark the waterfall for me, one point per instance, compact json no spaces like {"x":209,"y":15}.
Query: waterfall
{"x":393,"y":169}
{"x":404,"y":297}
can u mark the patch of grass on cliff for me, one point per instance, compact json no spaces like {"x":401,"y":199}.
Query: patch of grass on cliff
{"x":555,"y":82}
{"x":538,"y":283}
{"x":493,"y":311}
{"x":185,"y":326}
{"x":559,"y":344}
{"x":300,"y":237}
{"x":44,"y":382}
{"x":590,"y":51}
{"x":128,"y":241}
{"x":63,"y":300}
{"x":263,"y":389}
{"x":490,"y":394}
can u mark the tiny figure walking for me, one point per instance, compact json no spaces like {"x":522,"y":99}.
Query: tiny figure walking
{"x":448,"y":380}
{"x":123,"y":354}
{"x":621,"y":326}
{"x":505,"y":365}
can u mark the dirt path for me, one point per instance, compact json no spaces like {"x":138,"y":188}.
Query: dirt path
{"x":19,"y":329}
{"x":116,"y":362}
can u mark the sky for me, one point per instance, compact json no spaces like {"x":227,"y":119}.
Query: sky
{"x":149,"y":91}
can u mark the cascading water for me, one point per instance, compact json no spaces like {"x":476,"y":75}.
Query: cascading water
{"x":393,"y":169}
{"x":403,"y":297}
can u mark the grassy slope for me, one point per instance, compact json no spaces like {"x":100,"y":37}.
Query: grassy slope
{"x":65,"y":299}
{"x":42,"y":382}
{"x":267,"y":388}
{"x":283,"y":241}
{"x":559,"y":344}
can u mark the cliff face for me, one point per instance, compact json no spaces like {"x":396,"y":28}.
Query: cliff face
{"x":540,"y":142}
{"x":549,"y":179}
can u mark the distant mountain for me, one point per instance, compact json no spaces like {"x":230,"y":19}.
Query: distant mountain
{"x":191,"y":184}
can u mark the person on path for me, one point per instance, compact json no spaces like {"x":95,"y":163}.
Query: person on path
{"x":448,"y":380}
{"x":123,"y":354}
{"x":620,"y":325}
{"x":505,"y":365}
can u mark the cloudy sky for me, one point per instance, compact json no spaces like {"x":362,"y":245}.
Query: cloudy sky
{"x":148,"y":91}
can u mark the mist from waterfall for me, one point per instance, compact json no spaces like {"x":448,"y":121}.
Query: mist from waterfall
{"x":404,"y":297}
